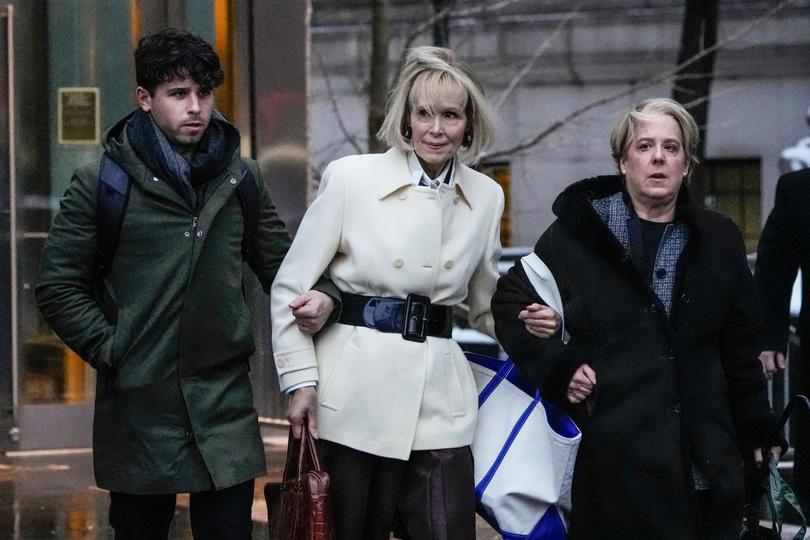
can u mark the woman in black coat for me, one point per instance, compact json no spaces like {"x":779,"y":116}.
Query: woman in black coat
{"x":661,"y":370}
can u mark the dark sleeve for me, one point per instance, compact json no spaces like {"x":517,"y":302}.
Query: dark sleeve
{"x":739,"y":344}
{"x":66,"y":281}
{"x":777,"y":264}
{"x":326,"y":286}
{"x":271,"y":244}
{"x":548,"y":363}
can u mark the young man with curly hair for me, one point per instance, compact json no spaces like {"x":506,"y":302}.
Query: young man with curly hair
{"x":165,"y":321}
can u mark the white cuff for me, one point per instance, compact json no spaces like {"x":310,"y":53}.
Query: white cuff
{"x":295,"y":387}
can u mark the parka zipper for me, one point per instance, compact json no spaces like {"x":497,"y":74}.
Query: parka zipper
{"x":190,"y":429}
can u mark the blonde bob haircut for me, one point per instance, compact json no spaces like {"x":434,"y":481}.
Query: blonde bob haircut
{"x":429,"y":76}
{"x":622,"y":134}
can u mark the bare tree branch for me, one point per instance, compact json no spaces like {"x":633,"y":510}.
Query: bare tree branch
{"x":537,"y":53}
{"x":661,"y":77}
{"x":450,"y":10}
{"x":335,"y":109}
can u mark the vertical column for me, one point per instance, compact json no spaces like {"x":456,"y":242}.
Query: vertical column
{"x":277,"y":63}
{"x":8,"y":368}
{"x":280,"y":67}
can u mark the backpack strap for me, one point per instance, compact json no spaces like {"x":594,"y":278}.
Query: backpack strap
{"x":111,"y":201}
{"x":248,"y":193}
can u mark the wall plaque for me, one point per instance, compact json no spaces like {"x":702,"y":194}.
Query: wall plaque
{"x":78,"y":114}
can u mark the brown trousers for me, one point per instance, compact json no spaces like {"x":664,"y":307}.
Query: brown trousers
{"x":431,"y":496}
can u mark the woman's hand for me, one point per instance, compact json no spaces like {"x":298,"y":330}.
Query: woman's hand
{"x":776,"y":453}
{"x":311,"y":310}
{"x":303,"y":405}
{"x":540,"y":320}
{"x":582,"y":384}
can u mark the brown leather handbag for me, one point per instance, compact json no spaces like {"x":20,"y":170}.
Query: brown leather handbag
{"x":298,"y":507}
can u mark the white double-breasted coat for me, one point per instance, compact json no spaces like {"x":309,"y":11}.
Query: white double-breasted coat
{"x":376,"y":233}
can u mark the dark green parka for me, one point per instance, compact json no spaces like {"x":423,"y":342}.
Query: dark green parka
{"x":171,"y":337}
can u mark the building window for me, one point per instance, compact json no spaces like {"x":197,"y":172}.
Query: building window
{"x":733,"y":188}
{"x":501,"y":172}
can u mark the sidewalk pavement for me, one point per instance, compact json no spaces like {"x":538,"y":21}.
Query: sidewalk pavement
{"x":52,"y":495}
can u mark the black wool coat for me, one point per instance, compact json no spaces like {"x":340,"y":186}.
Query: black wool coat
{"x":671,"y":391}
{"x":784,"y":247}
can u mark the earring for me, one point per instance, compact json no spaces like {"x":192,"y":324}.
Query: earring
{"x":468,"y":139}
{"x":406,"y":133}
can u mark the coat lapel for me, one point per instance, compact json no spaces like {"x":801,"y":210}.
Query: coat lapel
{"x":393,"y":172}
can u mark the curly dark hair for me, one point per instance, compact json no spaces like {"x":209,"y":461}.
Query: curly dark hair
{"x":171,"y":53}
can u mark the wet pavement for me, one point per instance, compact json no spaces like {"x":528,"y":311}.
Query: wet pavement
{"x":53,"y":496}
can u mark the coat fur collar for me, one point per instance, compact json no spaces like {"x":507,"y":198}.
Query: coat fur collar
{"x":574,"y":208}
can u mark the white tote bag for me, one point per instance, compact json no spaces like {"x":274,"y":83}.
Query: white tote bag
{"x":524,"y":448}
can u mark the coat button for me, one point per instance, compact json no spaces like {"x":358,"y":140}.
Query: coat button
{"x":280,"y":363}
{"x":398,"y":263}
{"x":199,"y":234}
{"x":448,"y":265}
{"x":661,"y":273}
{"x":652,"y":308}
{"x":189,"y":435}
{"x":187,"y":234}
{"x":232,"y":180}
{"x":155,"y":179}
{"x":403,"y":195}
{"x":685,"y":298}
{"x":677,"y":408}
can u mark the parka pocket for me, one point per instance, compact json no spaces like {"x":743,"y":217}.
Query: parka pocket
{"x":106,"y":358}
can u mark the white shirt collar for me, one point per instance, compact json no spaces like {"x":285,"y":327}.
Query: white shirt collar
{"x":417,"y":172}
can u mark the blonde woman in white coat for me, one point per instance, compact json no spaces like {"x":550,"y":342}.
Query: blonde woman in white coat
{"x":405,"y":236}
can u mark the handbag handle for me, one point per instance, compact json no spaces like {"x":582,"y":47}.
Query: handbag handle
{"x":300,"y":448}
{"x":309,"y":442}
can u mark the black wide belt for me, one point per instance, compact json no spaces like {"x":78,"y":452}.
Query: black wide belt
{"x":414,"y":317}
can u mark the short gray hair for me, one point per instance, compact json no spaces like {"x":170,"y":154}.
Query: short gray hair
{"x":436,"y":72}
{"x":623,"y":132}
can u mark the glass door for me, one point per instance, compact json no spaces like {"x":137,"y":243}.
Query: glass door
{"x":8,"y":368}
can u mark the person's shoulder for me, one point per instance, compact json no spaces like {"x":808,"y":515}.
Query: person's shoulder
{"x":483,"y":186}
{"x":252,"y":166}
{"x":796,"y":182}
{"x":250,"y":163}
{"x":714,"y":220}
{"x":355,"y":162}
{"x":89,"y":169}
{"x":480,"y":179}
{"x":356,"y":171}
{"x":718,"y":232}
{"x":86,"y":176}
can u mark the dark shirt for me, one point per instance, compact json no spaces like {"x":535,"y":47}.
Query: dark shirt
{"x":651,"y":234}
